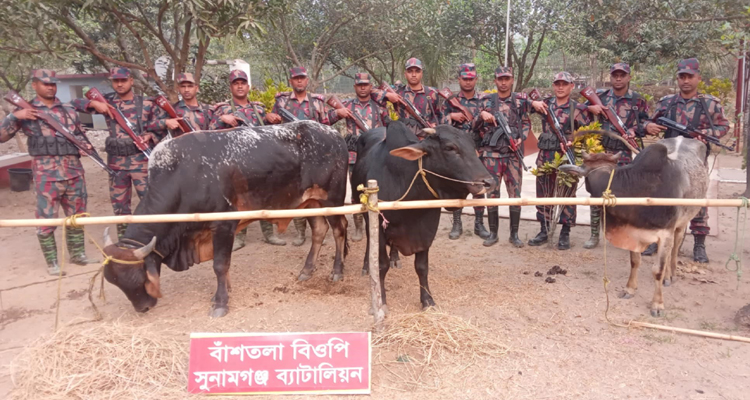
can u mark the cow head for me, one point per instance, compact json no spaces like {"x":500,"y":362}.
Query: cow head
{"x":591,"y":162}
{"x":449,"y":152}
{"x":137,"y":278}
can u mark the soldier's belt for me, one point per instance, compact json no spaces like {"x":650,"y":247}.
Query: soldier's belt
{"x":120,"y":147}
{"x":51,"y":146}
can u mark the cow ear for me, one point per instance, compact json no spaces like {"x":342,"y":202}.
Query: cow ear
{"x":153,"y":284}
{"x":410,"y":153}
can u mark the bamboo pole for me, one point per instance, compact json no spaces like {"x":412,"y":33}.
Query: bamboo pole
{"x":378,"y":311}
{"x":353,"y":209}
{"x":689,"y":331}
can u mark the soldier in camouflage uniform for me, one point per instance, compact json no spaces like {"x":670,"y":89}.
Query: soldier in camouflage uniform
{"x":58,"y":174}
{"x":129,"y":163}
{"x":305,"y":106}
{"x":698,"y":111}
{"x":563,"y":106}
{"x":424,"y":98}
{"x":501,"y":161}
{"x":473,"y":101}
{"x":240,"y":111}
{"x":632,"y":109}
{"x":375,"y":116}
{"x":198,"y":114}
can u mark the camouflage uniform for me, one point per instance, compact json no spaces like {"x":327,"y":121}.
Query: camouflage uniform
{"x":129,"y":163}
{"x":58,"y":174}
{"x":501,"y":161}
{"x":549,"y":145}
{"x":199,"y":117}
{"x":633,"y":111}
{"x":425,"y":100}
{"x":702,"y":112}
{"x":313,"y":108}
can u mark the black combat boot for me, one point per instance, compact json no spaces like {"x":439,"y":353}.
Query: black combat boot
{"x":541,"y":237}
{"x":301,"y":225}
{"x":596,"y":217}
{"x":239,"y":239}
{"x":650,"y":250}
{"x":479,"y":228}
{"x":564,"y":241}
{"x":269,"y":236}
{"x":49,"y":249}
{"x":359,"y":223}
{"x":76,"y":247}
{"x":457,"y":226}
{"x":699,"y":249}
{"x":515,"y":220}
{"x":493,"y":218}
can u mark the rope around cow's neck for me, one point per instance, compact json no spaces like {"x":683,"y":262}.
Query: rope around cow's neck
{"x":423,"y":172}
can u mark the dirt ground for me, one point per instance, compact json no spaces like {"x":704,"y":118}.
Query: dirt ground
{"x":560,"y":345}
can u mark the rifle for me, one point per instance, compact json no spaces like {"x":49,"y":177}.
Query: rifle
{"x":184,"y":123}
{"x":504,"y":129}
{"x":448,"y":96}
{"x":614,"y":119}
{"x":692,"y":133}
{"x":95,"y":95}
{"x":556,"y":128}
{"x":14,"y":98}
{"x":334,"y":102}
{"x":408,"y":105}
{"x":287,"y":115}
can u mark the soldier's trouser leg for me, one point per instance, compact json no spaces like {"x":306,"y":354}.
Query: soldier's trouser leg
{"x":596,"y":216}
{"x":511,"y":173}
{"x":73,"y":201}
{"x":479,"y":228}
{"x":699,"y":228}
{"x":239,"y":239}
{"x":545,"y":187}
{"x":48,"y":195}
{"x":301,"y":225}
{"x":120,"y":193}
{"x":269,"y":235}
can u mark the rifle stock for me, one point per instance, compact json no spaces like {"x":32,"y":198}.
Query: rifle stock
{"x":408,"y":106}
{"x":95,"y":95}
{"x":334,"y":102}
{"x":448,"y":96}
{"x":690,"y":132}
{"x":590,"y":94}
{"x":165,"y":105}
{"x":14,"y":98}
{"x":554,"y":126}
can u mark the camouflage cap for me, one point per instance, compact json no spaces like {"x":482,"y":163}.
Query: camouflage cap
{"x":624,"y":67}
{"x":119,"y":73}
{"x":563,"y":76}
{"x":361,"y":78}
{"x":688,"y":66}
{"x":237,"y":74}
{"x":413,"y":62}
{"x":44,"y":75}
{"x":467,"y":71}
{"x":297,"y":71}
{"x":186,"y":77}
{"x":503,"y":71}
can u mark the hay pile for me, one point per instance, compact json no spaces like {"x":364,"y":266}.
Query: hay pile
{"x":426,"y":342}
{"x":109,"y":360}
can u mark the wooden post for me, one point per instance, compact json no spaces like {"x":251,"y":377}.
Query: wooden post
{"x":378,"y":312}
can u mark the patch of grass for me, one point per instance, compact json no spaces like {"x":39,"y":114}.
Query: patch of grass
{"x":662,"y":339}
{"x":708,"y":326}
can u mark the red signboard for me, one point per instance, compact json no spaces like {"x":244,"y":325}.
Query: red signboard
{"x":264,"y":363}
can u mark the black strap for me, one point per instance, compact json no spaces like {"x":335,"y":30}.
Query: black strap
{"x":206,"y":119}
{"x":697,"y":119}
{"x":313,"y":111}
{"x":572,"y":116}
{"x":139,"y":113}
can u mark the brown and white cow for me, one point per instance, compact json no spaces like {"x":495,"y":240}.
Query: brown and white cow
{"x":670,"y":168}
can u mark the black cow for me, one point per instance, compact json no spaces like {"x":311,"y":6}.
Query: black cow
{"x":670,"y":168}
{"x":296,"y":165}
{"x":393,"y":163}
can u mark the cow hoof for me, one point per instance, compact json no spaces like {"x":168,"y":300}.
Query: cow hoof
{"x":625,"y":295}
{"x":427,"y":305}
{"x":303,"y":277}
{"x":657,"y":312}
{"x":218,"y":312}
{"x":667,"y":282}
{"x":337,"y":277}
{"x":396,"y":264}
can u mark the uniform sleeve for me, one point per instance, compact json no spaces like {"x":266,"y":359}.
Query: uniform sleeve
{"x":157,"y":121}
{"x":385,"y":115}
{"x":378,"y":96}
{"x":720,"y":121}
{"x":9,"y":127}
{"x":640,"y":128}
{"x":216,"y":123}
{"x":331,"y":116}
{"x":444,"y":111}
{"x":583,"y":117}
{"x":82,"y":105}
{"x":660,"y":110}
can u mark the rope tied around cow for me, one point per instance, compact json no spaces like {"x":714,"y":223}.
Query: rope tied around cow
{"x":736,"y":255}
{"x":610,"y":200}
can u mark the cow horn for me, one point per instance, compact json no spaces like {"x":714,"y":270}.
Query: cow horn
{"x":429,"y":131}
{"x":107,"y":238}
{"x":145,"y":250}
